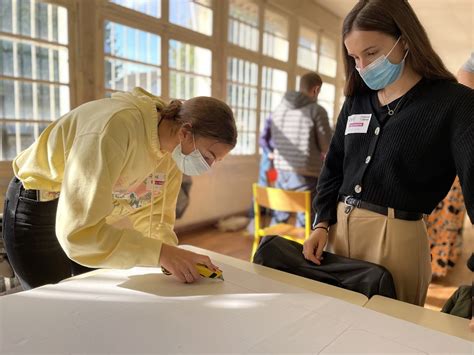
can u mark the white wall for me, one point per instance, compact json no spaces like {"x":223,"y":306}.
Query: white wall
{"x":225,"y":190}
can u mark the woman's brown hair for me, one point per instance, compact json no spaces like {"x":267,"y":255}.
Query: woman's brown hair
{"x":207,"y":116}
{"x":395,"y":18}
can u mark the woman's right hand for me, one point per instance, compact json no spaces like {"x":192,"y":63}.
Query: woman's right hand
{"x":181,"y":263}
{"x":313,"y":246}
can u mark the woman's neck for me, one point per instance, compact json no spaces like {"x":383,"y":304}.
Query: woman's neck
{"x":400,"y":87}
{"x":167,"y":135}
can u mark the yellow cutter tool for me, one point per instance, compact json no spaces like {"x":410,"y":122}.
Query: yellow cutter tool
{"x":204,"y":271}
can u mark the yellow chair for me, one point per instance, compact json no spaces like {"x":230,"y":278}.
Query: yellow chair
{"x":281,"y":200}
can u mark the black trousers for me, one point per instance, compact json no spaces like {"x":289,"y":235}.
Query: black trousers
{"x":30,"y":239}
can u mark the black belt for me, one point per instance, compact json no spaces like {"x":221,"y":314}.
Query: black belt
{"x":29,"y":194}
{"x":354,"y":202}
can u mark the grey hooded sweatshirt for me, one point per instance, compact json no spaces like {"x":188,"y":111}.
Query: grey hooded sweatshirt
{"x":301,"y":134}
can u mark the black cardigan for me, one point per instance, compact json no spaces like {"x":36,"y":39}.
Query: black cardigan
{"x":407,"y":161}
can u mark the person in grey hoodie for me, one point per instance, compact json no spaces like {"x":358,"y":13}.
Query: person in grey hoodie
{"x":299,"y":134}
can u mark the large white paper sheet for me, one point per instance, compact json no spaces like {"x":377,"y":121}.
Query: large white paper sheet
{"x":144,"y":311}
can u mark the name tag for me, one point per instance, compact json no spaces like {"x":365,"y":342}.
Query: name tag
{"x":158,"y":180}
{"x":358,"y":123}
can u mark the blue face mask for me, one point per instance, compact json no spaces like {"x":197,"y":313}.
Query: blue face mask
{"x":381,"y":73}
{"x":192,"y":164}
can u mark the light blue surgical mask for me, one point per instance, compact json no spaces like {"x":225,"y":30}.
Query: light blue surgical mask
{"x":381,"y":73}
{"x":192,"y":164}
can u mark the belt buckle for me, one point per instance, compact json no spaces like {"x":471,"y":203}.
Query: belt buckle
{"x":348,"y":207}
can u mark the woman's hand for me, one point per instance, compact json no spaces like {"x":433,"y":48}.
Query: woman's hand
{"x":313,"y":246}
{"x":182,"y":263}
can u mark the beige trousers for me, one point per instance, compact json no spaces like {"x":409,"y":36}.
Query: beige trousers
{"x":398,"y":245}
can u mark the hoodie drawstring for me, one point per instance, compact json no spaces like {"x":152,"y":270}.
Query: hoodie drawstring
{"x":150,"y":223}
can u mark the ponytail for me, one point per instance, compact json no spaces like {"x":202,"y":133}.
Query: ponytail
{"x":172,"y":112}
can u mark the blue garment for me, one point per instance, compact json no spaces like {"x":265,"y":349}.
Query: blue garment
{"x":288,"y":180}
{"x":266,"y":141}
{"x":265,"y":165}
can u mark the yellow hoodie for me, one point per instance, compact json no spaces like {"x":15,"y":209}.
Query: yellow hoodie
{"x":104,"y":158}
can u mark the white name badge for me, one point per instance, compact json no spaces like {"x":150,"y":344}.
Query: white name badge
{"x":358,"y":123}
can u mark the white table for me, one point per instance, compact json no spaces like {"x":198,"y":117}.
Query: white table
{"x":143,"y":311}
{"x":442,"y":322}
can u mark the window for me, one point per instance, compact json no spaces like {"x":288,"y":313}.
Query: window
{"x":132,"y":58}
{"x":307,"y":50}
{"x":242,"y":81}
{"x":243,"y":24}
{"x":275,"y":36}
{"x":190,"y":70}
{"x":148,"y":7}
{"x":193,"y":14}
{"x":274,"y":85}
{"x":328,"y":55}
{"x":34,"y":71}
{"x":326,"y":99}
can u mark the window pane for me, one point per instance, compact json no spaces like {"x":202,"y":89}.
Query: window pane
{"x":190,"y":70}
{"x":41,"y":22}
{"x":193,"y":14}
{"x":35,"y":100}
{"x":275,"y":36}
{"x":27,"y":134}
{"x":242,"y":78}
{"x":328,"y":47}
{"x":28,"y":61}
{"x":243,"y":24}
{"x":24,"y":60}
{"x":34,"y":19}
{"x":329,"y":106}
{"x":326,"y":99}
{"x":328,"y":92}
{"x":33,"y":59}
{"x":149,"y":7}
{"x":274,"y":85}
{"x":7,"y":99}
{"x":327,"y":66}
{"x":6,"y":15}
{"x":328,"y":51}
{"x":23,"y":22}
{"x":124,"y":76}
{"x":131,"y":43}
{"x":26,"y":100}
{"x":8,"y":141}
{"x":140,"y":59}
{"x":307,"y":50}
{"x":17,"y":136}
{"x":6,"y":58}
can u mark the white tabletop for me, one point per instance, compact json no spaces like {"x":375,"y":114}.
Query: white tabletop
{"x":442,"y":322}
{"x":143,"y":311}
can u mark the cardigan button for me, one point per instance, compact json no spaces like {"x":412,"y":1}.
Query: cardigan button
{"x":358,"y":189}
{"x":377,"y":131}
{"x":367,"y":160}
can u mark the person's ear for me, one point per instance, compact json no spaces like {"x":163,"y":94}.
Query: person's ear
{"x":185,"y":132}
{"x":404,"y":43}
{"x":317,"y":90}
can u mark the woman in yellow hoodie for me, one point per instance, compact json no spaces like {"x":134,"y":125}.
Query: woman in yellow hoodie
{"x":98,"y":188}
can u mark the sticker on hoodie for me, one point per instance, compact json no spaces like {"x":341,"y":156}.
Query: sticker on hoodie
{"x":139,"y":195}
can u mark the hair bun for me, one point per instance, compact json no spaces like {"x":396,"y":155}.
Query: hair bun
{"x":172,"y":111}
